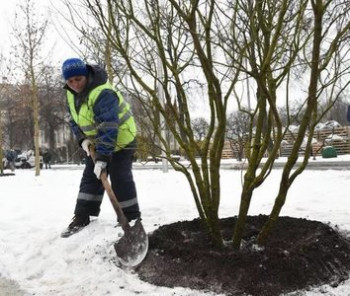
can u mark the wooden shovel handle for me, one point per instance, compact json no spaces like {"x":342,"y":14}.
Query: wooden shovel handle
{"x":112,"y":197}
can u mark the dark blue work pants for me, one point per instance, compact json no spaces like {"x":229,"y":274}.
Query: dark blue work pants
{"x":120,"y":173}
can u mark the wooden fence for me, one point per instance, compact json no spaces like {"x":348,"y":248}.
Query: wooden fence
{"x":339,"y":138}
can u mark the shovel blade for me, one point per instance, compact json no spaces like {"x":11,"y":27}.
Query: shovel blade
{"x":132,"y":248}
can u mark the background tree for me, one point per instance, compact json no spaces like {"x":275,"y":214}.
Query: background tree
{"x":52,"y":105}
{"x":17,"y":117}
{"x":5,"y":105}
{"x":291,"y":115}
{"x":2,"y":87}
{"x":338,"y":111}
{"x":200,"y":128}
{"x":237,"y":130}
{"x":30,"y":37}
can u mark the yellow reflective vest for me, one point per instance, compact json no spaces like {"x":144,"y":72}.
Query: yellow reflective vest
{"x":85,"y":118}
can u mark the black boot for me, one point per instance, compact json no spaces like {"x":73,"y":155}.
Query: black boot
{"x":77,"y":224}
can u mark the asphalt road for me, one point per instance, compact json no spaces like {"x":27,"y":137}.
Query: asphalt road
{"x":322,"y":165}
{"x":312,"y":165}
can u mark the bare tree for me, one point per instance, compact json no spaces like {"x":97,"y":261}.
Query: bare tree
{"x":285,"y":41}
{"x":17,"y":116}
{"x":237,"y":130}
{"x":2,"y":88}
{"x":200,"y":128}
{"x":203,"y":50}
{"x":169,"y":51}
{"x":5,"y":106}
{"x":52,"y":105}
{"x":338,"y":111}
{"x":30,"y":37}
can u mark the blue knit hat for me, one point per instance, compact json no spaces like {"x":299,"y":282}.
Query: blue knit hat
{"x":73,"y":67}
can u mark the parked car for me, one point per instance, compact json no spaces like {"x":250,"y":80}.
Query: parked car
{"x":154,"y":158}
{"x":27,"y":161}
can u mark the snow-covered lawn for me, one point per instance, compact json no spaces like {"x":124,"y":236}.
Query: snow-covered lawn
{"x":36,"y":209}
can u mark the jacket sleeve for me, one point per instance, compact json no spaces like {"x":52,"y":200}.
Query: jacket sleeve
{"x":106,"y":110}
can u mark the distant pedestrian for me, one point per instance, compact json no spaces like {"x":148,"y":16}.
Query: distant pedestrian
{"x":11,"y":157}
{"x":47,"y":159}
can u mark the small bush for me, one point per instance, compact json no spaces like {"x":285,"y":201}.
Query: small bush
{"x":329,"y":152}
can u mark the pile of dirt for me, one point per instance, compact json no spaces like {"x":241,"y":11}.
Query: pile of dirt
{"x":300,"y":253}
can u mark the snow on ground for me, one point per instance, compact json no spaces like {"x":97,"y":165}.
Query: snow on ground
{"x":36,"y":209}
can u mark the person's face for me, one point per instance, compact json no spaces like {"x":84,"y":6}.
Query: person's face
{"x":77,"y":83}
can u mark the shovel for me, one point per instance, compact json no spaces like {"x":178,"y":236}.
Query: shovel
{"x":132,"y":247}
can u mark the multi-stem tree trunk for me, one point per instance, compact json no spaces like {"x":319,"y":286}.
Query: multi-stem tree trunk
{"x":206,"y":48}
{"x":270,"y":64}
{"x":309,"y":117}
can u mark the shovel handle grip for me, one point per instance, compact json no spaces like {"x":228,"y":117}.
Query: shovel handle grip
{"x":112,"y":197}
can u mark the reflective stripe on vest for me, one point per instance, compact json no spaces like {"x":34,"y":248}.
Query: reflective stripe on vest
{"x":86,"y":121}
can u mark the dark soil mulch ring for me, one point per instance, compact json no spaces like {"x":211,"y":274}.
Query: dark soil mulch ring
{"x":300,"y":253}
